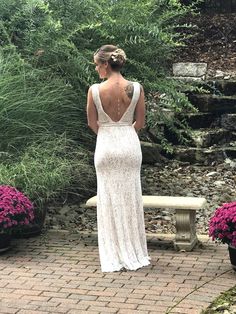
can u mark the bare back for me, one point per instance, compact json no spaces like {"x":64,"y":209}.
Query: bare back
{"x":116,"y":97}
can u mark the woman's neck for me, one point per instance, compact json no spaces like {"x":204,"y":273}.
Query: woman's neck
{"x":114,"y":76}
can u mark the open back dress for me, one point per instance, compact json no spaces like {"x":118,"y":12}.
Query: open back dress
{"x":120,"y":216}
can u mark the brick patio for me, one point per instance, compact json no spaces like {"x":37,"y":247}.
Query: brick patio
{"x":59,"y":272}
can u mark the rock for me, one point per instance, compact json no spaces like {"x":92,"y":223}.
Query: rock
{"x":189,"y":69}
{"x":221,"y":307}
{"x":212,"y":74}
{"x":227,"y":88}
{"x":209,"y":137}
{"x":167,"y":218}
{"x":219,"y":74}
{"x":202,"y":120}
{"x":157,"y":217}
{"x":219,"y":183}
{"x":79,"y":210}
{"x":64,"y":210}
{"x":164,"y":213}
{"x":228,"y":121}
{"x":190,"y":194}
{"x":203,"y":156}
{"x":210,"y":174}
{"x":151,"y":153}
{"x":189,"y":79}
{"x":230,"y":162}
{"x":213,"y":104}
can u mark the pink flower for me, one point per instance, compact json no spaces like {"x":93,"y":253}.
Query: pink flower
{"x":15,"y":208}
{"x":222,"y":225}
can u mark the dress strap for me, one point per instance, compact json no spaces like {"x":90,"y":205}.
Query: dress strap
{"x":95,"y":95}
{"x":137,"y":91}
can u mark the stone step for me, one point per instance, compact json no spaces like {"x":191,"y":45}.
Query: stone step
{"x":203,"y":120}
{"x":204,"y":156}
{"x":209,"y":137}
{"x":228,"y":121}
{"x":225,"y":87}
{"x":213,"y":104}
{"x":150,"y":152}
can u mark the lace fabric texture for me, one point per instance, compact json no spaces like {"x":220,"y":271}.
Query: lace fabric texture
{"x":120,"y":216}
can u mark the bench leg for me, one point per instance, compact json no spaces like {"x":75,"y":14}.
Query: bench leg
{"x":186,"y":237}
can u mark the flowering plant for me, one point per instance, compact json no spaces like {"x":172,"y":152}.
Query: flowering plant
{"x":222,"y":226}
{"x":16,"y":210}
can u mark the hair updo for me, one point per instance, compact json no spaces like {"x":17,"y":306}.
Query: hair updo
{"x":115,"y":56}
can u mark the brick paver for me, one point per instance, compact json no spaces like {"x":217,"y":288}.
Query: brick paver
{"x":60,"y":273}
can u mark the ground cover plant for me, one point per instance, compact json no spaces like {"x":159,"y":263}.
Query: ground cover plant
{"x":223,"y":304}
{"x":49,"y":169}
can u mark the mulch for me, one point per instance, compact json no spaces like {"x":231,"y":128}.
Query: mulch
{"x":213,"y":41}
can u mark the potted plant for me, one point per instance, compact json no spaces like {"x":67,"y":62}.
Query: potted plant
{"x":222,"y":228}
{"x":16,"y":211}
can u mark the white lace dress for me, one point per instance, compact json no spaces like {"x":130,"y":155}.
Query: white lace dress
{"x":120,"y":216}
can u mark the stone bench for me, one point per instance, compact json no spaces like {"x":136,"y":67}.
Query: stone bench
{"x":185,"y":207}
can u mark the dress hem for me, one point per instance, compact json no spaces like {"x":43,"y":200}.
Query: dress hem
{"x":145,"y":262}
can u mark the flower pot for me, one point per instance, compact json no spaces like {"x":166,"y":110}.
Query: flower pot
{"x":5,"y":242}
{"x":232,"y":256}
{"x":34,"y":228}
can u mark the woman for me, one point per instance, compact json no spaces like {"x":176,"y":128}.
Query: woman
{"x":115,"y":111}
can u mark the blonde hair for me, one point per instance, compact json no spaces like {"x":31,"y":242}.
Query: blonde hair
{"x":115,"y":56}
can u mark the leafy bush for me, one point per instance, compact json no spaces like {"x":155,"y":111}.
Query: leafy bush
{"x":42,"y":31}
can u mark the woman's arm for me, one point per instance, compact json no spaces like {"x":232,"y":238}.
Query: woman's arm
{"x":92,"y":115}
{"x":139,"y":114}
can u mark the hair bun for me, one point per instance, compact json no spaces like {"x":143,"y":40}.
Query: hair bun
{"x":118,"y":56}
{"x":115,"y":56}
